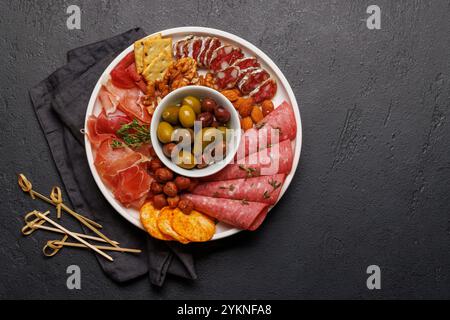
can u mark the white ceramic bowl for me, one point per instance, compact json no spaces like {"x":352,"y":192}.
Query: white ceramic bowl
{"x":201,"y":92}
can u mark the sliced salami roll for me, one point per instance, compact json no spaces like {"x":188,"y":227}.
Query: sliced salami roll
{"x":264,"y":189}
{"x":275,"y":159}
{"x":237,"y":213}
{"x":195,"y":47}
{"x":179,"y":47}
{"x":246,"y":62}
{"x":264,"y":91}
{"x":252,"y":80}
{"x":224,"y":56}
{"x":204,"y":49}
{"x":227,"y":78}
{"x":213,"y":45}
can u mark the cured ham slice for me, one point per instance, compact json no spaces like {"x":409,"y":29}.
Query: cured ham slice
{"x":252,"y":79}
{"x":265,"y":91}
{"x":133,"y":185}
{"x":275,"y":159}
{"x":264,"y":189}
{"x":107,"y":100}
{"x":104,"y":127}
{"x":129,"y":101}
{"x":237,"y":213}
{"x":203,"y":50}
{"x":281,"y":118}
{"x":227,"y":78}
{"x":195,"y":47}
{"x":109,"y":161}
{"x":224,"y":56}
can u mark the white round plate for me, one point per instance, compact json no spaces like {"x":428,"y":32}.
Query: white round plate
{"x":284,"y":92}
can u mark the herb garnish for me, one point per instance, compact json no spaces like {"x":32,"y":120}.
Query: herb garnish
{"x":244,"y":202}
{"x":275,"y":184}
{"x":117,"y":144}
{"x":266,"y":194}
{"x":249,"y":170}
{"x":134,"y":134}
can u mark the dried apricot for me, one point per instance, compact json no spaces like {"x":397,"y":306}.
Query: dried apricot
{"x":267,"y":107}
{"x":257,"y":114}
{"x":246,"y":123}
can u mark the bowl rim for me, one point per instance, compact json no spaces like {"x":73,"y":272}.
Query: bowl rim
{"x":195,"y":172}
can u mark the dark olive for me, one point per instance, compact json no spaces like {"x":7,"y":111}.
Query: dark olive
{"x":206,"y":119}
{"x":208,"y":105}
{"x":167,"y":149}
{"x":222,"y":115}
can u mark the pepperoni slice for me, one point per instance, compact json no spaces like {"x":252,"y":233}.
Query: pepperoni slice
{"x":264,"y":91}
{"x":224,"y":56}
{"x":227,"y":78}
{"x":252,"y":80}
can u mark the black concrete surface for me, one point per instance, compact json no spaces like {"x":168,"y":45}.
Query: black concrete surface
{"x":373,"y":182}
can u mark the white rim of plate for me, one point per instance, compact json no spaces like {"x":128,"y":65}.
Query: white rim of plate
{"x":185,"y":31}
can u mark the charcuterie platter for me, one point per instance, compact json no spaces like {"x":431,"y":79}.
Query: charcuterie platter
{"x":193,"y":134}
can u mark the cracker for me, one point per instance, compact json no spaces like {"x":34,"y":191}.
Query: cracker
{"x":164,"y":223}
{"x":195,"y":226}
{"x":149,"y":216}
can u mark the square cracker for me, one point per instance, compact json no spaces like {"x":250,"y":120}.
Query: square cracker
{"x":139,"y":52}
{"x":154,"y":47}
{"x":155,"y":70}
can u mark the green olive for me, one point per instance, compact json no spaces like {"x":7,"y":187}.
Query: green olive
{"x":206,"y":136}
{"x":185,"y":160}
{"x":186,"y":116}
{"x":170,"y":114}
{"x":165,"y":132}
{"x":183,"y":136}
{"x":194,"y":103}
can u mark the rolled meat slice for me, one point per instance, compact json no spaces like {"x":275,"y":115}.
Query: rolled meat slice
{"x":264,"y":189}
{"x":275,"y":159}
{"x":237,"y":213}
{"x":227,"y":78}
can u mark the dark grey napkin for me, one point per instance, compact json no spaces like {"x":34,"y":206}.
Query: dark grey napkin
{"x":60,"y":102}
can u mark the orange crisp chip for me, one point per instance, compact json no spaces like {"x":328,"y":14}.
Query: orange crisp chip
{"x":164,"y":223}
{"x":195,"y":226}
{"x":149,"y":216}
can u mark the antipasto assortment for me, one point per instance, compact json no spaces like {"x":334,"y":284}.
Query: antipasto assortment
{"x":174,"y":207}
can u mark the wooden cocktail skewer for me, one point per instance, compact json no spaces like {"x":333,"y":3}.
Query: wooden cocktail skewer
{"x":47,"y":247}
{"x":31,"y":226}
{"x":57,"y":244}
{"x":73,"y":235}
{"x":26,"y":186}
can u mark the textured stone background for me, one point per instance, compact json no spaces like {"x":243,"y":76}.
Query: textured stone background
{"x":373,"y":182}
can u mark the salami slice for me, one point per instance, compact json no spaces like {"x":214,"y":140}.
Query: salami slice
{"x":264,"y":91}
{"x":275,"y":159}
{"x":196,"y":45}
{"x":227,"y":78}
{"x":224,"y":56}
{"x":179,"y":47}
{"x":213,"y":45}
{"x":203,"y":50}
{"x":237,"y":213}
{"x":252,"y":80}
{"x":264,"y":189}
{"x":247,"y":62}
{"x":283,"y":119}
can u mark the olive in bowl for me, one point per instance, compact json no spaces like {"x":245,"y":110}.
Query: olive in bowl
{"x":180,"y":144}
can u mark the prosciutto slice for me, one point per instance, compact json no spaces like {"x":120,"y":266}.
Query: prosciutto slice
{"x":264,"y":189}
{"x":110,"y":161}
{"x":128,"y":101}
{"x":237,"y":213}
{"x":133,"y":185}
{"x":275,"y":159}
{"x":104,"y":126}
